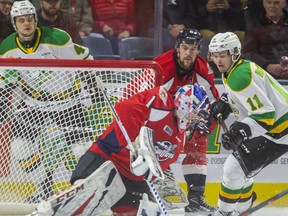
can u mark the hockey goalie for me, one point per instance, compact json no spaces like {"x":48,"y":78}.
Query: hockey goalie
{"x":112,"y":174}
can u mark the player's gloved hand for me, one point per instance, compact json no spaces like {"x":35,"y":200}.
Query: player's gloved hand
{"x":222,"y":107}
{"x":11,"y":78}
{"x":145,"y":161}
{"x":139,"y":165}
{"x":202,"y":124}
{"x":238,"y":133}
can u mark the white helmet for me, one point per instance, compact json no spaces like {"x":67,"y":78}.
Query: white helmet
{"x":225,"y":41}
{"x":20,"y":8}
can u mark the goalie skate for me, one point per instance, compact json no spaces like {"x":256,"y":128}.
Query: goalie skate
{"x":91,"y":196}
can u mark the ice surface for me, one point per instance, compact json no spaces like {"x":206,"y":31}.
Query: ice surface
{"x":261,"y":212}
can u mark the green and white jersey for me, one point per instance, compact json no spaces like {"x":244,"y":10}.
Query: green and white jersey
{"x":59,"y":88}
{"x":258,"y":100}
{"x":51,"y":43}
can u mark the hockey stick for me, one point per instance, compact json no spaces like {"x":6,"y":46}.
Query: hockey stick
{"x":266,"y":202}
{"x":131,"y":147}
{"x":236,"y":152}
{"x":104,"y":92}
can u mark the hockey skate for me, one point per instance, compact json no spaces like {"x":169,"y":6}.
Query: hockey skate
{"x":222,"y":213}
{"x":233,"y":213}
{"x":198,"y":206}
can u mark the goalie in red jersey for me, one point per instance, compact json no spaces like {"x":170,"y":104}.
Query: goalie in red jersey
{"x":110,"y":161}
{"x":181,"y":66}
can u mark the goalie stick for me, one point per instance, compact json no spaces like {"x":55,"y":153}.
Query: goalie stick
{"x":263,"y":204}
{"x":131,"y":148}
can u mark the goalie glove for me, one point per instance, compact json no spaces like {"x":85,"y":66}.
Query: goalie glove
{"x":145,"y":161}
{"x":202,"y":124}
{"x":222,"y":107}
{"x":237,"y":134}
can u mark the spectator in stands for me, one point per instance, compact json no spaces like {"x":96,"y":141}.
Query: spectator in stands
{"x":50,"y":15}
{"x":6,"y":27}
{"x":81,"y":13}
{"x":115,"y":19}
{"x":267,"y":41}
{"x":214,"y":16}
{"x":176,"y":16}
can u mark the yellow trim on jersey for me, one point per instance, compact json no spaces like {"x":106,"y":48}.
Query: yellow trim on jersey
{"x":67,"y":94}
{"x":267,"y":121}
{"x":35,"y":46}
{"x":280,"y":128}
{"x":60,"y":96}
{"x":29,"y":163}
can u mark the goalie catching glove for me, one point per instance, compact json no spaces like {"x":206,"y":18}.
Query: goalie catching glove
{"x":237,"y":134}
{"x":144,"y":160}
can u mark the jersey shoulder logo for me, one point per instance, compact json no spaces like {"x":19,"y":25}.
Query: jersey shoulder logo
{"x":163,"y":95}
{"x":168,"y":130}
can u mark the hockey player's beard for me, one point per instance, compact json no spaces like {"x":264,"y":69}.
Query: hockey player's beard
{"x":186,"y":62}
{"x":52,"y":12}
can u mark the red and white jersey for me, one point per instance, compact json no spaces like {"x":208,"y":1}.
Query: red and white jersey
{"x":154,"y":109}
{"x":201,"y":73}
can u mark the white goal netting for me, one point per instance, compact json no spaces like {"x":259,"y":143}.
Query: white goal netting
{"x":50,"y":113}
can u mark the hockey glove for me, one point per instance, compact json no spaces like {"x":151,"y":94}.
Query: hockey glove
{"x":202,"y":124}
{"x":146,"y":162}
{"x":237,"y":134}
{"x":222,"y":107}
{"x":139,"y":165}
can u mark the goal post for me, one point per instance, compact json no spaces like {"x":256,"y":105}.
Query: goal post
{"x":50,"y":113}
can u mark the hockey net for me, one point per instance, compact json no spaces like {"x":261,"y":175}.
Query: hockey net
{"x":50,"y":113}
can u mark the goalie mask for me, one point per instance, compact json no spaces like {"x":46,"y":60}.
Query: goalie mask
{"x":188,"y":101}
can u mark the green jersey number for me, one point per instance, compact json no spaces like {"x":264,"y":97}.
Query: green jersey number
{"x":79,"y":49}
{"x":254,"y":103}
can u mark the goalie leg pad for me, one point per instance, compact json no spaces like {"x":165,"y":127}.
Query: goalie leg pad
{"x":91,"y":196}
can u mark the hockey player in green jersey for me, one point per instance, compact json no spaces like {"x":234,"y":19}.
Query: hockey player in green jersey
{"x":44,"y":98}
{"x":30,"y":41}
{"x":259,"y":134}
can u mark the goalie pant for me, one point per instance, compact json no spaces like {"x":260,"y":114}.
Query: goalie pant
{"x":152,"y":108}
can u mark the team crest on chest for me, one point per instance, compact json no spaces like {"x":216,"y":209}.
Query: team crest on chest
{"x":164,"y":150}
